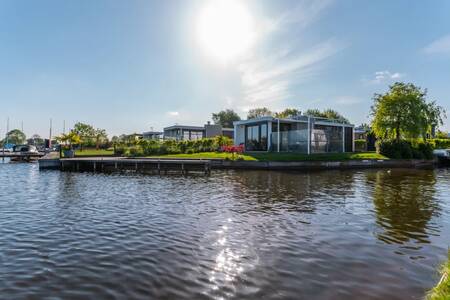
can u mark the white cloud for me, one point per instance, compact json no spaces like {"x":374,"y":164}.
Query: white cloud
{"x":173,"y":113}
{"x":439,"y":46}
{"x":348,"y":100}
{"x":268,"y":78}
{"x":383,"y":76}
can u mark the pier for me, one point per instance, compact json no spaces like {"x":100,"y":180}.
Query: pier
{"x":26,"y":156}
{"x":118,"y":164}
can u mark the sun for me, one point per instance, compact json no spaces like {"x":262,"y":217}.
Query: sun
{"x":225,"y":29}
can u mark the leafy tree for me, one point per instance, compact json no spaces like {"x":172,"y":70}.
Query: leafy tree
{"x":36,"y":140}
{"x":328,"y":114}
{"x":225,"y":118}
{"x":15,"y":137}
{"x":404,"y":112}
{"x":258,"y":113}
{"x":364,"y":126}
{"x":442,"y":134}
{"x":86,"y":133}
{"x":288,"y":112}
{"x":100,"y":136}
{"x":69,"y":139}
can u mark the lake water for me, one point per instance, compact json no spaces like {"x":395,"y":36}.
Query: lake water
{"x":365,"y":234}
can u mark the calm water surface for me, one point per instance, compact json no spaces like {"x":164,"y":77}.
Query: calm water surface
{"x":374,"y":234}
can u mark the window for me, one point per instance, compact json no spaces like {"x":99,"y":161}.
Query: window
{"x":196,"y":135}
{"x":256,"y":139}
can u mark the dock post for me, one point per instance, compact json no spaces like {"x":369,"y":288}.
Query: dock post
{"x":135,"y":167}
{"x":78,"y":167}
{"x":159,"y":168}
{"x":95,"y":166}
{"x":115,"y":166}
{"x":182,"y":169}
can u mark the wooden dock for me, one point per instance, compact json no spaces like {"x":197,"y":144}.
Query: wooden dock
{"x":119,"y":164}
{"x":25,"y":156}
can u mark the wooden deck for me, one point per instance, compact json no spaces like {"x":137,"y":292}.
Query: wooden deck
{"x":21,"y":156}
{"x":143,"y":165}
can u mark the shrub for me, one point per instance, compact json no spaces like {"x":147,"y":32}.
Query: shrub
{"x":405,"y":149}
{"x":154,"y":147}
{"x":360,"y":145}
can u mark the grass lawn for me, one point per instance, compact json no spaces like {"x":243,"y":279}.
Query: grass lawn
{"x":270,"y":156}
{"x":442,"y":291}
{"x":94,"y":152}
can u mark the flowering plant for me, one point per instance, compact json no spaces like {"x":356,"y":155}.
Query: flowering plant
{"x":234,"y":150}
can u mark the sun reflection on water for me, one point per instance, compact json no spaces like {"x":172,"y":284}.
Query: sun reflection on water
{"x":228,"y":262}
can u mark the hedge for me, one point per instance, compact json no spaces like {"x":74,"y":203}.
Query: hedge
{"x":155,"y":147}
{"x":405,"y":149}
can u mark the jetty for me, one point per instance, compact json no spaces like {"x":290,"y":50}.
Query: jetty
{"x":121,"y":164}
{"x":25,"y":156}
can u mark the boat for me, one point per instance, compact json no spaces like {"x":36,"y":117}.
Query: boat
{"x":26,"y":153}
{"x":443,"y":156}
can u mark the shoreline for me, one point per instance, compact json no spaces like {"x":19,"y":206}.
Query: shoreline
{"x":141,"y":164}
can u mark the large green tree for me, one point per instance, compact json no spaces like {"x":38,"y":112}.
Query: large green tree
{"x":403,"y":112}
{"x":86,"y":133}
{"x":328,"y":114}
{"x":225,"y":118}
{"x":258,"y":113}
{"x":15,"y":137}
{"x":288,"y":112}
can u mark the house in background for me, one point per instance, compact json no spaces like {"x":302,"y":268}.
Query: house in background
{"x":366,"y":134}
{"x":183,"y":133}
{"x":152,"y":135}
{"x":302,"y":134}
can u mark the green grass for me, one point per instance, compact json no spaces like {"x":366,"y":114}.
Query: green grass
{"x":442,"y":291}
{"x":270,"y":156}
{"x":94,"y":152}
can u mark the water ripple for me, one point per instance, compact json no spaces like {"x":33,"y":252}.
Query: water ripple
{"x":234,"y":235}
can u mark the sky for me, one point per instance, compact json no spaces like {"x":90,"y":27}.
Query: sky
{"x":139,"y":65}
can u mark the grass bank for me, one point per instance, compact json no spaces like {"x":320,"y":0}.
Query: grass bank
{"x":94,"y":152}
{"x":269,"y":156}
{"x":442,"y":290}
{"x":252,"y":156}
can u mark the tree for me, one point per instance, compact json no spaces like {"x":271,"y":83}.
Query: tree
{"x":258,"y":113}
{"x":225,"y":118}
{"x":403,"y":112}
{"x":69,"y":139}
{"x":288,"y":112}
{"x":15,"y":137}
{"x":100,"y":136}
{"x":328,"y":114}
{"x":86,"y":133}
{"x":36,"y":140}
{"x":364,"y":126}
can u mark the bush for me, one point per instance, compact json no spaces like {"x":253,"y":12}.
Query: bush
{"x":360,"y":145}
{"x":405,"y":149}
{"x":440,"y":143}
{"x":154,"y":147}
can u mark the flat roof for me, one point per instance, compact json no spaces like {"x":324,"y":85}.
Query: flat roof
{"x":152,"y":132}
{"x":184,"y":127}
{"x":299,"y":119}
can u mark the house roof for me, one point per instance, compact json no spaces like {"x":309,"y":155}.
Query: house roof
{"x":152,"y":133}
{"x":298,"y":119}
{"x":184,"y":127}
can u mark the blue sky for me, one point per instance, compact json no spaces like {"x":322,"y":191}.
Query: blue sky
{"x":127,"y":66}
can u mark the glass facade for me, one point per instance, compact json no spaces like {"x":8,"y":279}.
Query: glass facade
{"x":325,"y":138}
{"x":293,"y":137}
{"x":256,"y":137}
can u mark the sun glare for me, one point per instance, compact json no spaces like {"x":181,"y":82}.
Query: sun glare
{"x":225,"y":29}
